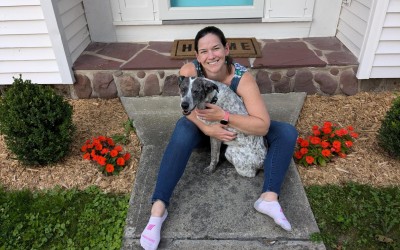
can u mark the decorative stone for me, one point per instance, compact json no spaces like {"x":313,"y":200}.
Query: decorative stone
{"x":282,"y":86}
{"x":327,"y":84}
{"x":263,"y":82}
{"x":141,"y":74}
{"x":276,"y":76}
{"x":129,"y":86}
{"x":290,"y":72}
{"x":161,"y":73}
{"x":349,"y":82}
{"x":304,"y":82}
{"x":171,"y":86}
{"x":104,"y":85}
{"x":151,"y":86}
{"x":334,"y":71}
{"x":82,"y":87}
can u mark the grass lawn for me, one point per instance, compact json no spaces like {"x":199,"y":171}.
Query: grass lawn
{"x":356,"y":216}
{"x":62,"y":219}
{"x":350,"y":217}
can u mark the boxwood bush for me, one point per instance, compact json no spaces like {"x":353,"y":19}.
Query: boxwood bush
{"x":389,"y":132}
{"x":36,"y":123}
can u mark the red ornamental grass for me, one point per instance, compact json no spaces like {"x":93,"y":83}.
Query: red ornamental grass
{"x":109,"y":157}
{"x":325,"y":143}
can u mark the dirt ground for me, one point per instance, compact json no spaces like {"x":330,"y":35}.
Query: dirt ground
{"x":93,"y":117}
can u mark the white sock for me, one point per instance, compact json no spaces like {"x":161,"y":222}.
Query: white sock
{"x":150,"y":237}
{"x":273,"y":210}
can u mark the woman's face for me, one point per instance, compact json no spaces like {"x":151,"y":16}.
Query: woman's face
{"x":211,"y":53}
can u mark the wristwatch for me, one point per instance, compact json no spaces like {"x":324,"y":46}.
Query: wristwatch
{"x":225,"y":120}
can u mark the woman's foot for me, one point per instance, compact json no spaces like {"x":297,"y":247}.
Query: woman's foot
{"x":273,"y":209}
{"x":150,"y":237}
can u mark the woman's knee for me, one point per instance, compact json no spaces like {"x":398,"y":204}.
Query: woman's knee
{"x":284,"y":131}
{"x":185,"y":133}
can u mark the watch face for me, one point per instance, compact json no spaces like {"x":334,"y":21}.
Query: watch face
{"x":223,"y":122}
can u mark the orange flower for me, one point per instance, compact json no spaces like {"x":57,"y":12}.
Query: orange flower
{"x":113,"y":153}
{"x":102,"y":138}
{"x":86,"y":156}
{"x":350,"y":128}
{"x":336,"y":144}
{"x":101,"y":160}
{"x":341,"y":155}
{"x":120,"y":161}
{"x":354,"y":135}
{"x":110,"y":141}
{"x":84,"y":148}
{"x":304,"y":143}
{"x":104,"y":151}
{"x":118,"y":148}
{"x":327,"y":124}
{"x":109,"y":168}
{"x":315,"y":140}
{"x":309,"y":159}
{"x":298,"y":155}
{"x":316,"y":132}
{"x":325,"y":144}
{"x":315,"y":127}
{"x":326,"y":152}
{"x":348,"y":143}
{"x":303,"y":151}
{"x":327,"y":130}
{"x":127,"y":156}
{"x":98,"y":146}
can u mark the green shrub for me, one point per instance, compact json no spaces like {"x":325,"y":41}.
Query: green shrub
{"x":36,"y":123}
{"x":389,"y":132}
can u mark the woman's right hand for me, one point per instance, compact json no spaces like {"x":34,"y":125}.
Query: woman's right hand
{"x":215,"y":130}
{"x":220,"y":132}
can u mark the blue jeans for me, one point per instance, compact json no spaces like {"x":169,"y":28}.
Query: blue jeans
{"x":281,"y":140}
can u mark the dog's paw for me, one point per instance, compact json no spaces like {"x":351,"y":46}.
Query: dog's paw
{"x":209,"y":170}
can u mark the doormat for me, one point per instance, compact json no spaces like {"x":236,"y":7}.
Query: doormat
{"x":239,"y":47}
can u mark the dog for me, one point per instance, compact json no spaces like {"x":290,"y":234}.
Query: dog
{"x":247,"y":152}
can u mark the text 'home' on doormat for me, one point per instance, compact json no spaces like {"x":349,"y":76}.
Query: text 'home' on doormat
{"x":239,"y":47}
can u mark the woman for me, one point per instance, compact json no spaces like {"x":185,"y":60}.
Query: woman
{"x":213,"y":61}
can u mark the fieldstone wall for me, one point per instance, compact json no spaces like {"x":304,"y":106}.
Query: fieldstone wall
{"x":137,"y":83}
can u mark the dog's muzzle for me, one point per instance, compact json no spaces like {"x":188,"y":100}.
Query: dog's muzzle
{"x":185,"y":108}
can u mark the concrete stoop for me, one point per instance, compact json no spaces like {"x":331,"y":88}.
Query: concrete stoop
{"x":213,"y":211}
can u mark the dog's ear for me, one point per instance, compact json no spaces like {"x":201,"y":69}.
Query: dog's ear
{"x":210,"y":87}
{"x":180,"y":80}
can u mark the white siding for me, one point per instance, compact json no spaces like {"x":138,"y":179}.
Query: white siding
{"x":386,"y":63}
{"x":40,"y":40}
{"x":75,"y":26}
{"x":25,"y":46}
{"x":352,"y":24}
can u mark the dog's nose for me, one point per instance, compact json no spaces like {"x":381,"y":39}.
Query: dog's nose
{"x":185,"y":105}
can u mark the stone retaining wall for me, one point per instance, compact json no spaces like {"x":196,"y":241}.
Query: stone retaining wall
{"x":136,"y":83}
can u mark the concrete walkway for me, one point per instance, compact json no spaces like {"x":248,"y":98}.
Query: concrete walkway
{"x":213,"y":211}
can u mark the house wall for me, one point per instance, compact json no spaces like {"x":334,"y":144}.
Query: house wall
{"x":140,"y":21}
{"x":25,"y":45}
{"x":75,"y":26}
{"x":32,"y":35}
{"x":352,"y":25}
{"x":386,"y":63}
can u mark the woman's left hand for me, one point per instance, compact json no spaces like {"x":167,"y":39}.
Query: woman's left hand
{"x":211,"y":113}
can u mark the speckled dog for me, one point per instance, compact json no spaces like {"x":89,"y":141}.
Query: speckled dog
{"x":246,"y":152}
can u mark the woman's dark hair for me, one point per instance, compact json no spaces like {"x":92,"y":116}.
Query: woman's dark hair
{"x":215,"y":31}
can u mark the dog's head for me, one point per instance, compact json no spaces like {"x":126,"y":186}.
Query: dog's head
{"x":195,"y":92}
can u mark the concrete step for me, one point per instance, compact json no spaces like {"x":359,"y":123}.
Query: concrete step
{"x":213,"y":211}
